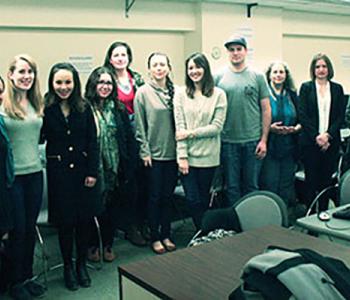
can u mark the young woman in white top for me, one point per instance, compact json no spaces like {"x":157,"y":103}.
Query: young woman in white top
{"x":22,"y":110}
{"x":200,"y":111}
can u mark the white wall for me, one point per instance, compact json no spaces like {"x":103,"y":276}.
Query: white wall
{"x":51,"y":31}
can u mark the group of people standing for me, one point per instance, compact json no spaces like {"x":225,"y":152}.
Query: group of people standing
{"x":269,"y":128}
{"x":127,"y":140}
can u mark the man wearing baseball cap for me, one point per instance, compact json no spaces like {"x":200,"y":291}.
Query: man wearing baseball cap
{"x":247,"y":124}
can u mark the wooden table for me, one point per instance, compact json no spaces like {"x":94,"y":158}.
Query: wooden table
{"x":213,"y":270}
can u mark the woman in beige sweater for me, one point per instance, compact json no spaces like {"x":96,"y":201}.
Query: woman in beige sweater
{"x":200,"y":111}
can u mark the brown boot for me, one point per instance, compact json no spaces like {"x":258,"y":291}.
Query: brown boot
{"x":135,"y":237}
{"x":108,"y":254}
{"x":93,"y":254}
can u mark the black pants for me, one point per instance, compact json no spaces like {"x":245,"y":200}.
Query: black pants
{"x":162,"y":182}
{"x":26,"y":194}
{"x":319,"y":168}
{"x":70,"y":233}
{"x":107,"y":221}
{"x":131,"y":198}
{"x":197,"y":185}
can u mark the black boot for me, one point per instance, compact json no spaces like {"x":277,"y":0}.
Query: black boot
{"x":19,"y":292}
{"x":135,"y":237}
{"x":70,"y":277}
{"x":83,"y":275}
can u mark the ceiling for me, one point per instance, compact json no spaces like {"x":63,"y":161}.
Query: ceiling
{"x":341,"y":7}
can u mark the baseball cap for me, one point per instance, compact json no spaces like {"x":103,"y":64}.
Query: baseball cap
{"x":236,"y":40}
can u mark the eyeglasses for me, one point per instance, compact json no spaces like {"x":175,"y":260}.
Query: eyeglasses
{"x":101,"y":82}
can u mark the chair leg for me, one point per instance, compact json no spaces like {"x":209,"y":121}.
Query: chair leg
{"x":44,"y":255}
{"x":213,"y":195}
{"x":317,"y":198}
{"x":100,"y":244}
{"x":198,"y":233}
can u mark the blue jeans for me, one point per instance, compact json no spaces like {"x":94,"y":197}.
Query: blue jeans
{"x":241,"y":170}
{"x":26,"y":194}
{"x":197,"y":185}
{"x":162,"y":182}
{"x":277,"y":176}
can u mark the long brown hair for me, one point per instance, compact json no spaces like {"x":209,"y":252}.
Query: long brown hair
{"x":201,"y":61}
{"x":10,"y":102}
{"x":75,"y":101}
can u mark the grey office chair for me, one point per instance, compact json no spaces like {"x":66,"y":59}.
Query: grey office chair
{"x":341,"y":189}
{"x":256,"y":209}
{"x":344,"y":188}
{"x":261,"y":208}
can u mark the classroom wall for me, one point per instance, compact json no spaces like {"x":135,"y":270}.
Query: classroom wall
{"x":54,"y":31}
{"x":305,"y":34}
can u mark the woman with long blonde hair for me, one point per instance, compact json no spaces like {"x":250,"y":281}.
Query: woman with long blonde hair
{"x":22,"y":109}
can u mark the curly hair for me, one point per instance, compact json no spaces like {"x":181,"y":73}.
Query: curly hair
{"x":289,"y":82}
{"x":90,"y":88}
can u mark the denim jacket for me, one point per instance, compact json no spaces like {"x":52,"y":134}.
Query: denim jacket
{"x":10,"y":171}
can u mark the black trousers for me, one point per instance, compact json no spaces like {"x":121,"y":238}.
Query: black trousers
{"x":26,"y":194}
{"x":70,"y":233}
{"x":319,"y":168}
{"x":108,"y":221}
{"x":197,"y":185}
{"x":162,"y":182}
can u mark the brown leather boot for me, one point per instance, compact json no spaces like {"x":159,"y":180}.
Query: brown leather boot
{"x":108,"y":254}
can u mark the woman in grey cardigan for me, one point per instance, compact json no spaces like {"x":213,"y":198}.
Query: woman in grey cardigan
{"x":155,"y":131}
{"x":200,"y":111}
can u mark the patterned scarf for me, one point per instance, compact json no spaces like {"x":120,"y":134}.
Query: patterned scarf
{"x":109,"y":154}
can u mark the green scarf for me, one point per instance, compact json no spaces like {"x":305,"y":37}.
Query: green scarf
{"x":108,"y":143}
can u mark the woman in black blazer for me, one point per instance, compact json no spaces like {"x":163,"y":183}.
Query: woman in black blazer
{"x":72,"y":162}
{"x":322,"y":107}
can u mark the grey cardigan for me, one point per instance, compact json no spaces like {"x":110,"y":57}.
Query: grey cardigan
{"x":155,"y":129}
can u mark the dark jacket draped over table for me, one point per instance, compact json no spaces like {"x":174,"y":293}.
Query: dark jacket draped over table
{"x":72,"y":155}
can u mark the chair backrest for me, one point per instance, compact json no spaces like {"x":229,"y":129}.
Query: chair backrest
{"x":220,"y":218}
{"x":344,"y":188}
{"x":261,"y":208}
{"x":43,"y":214}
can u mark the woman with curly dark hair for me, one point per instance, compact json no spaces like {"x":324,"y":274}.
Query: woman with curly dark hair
{"x":117,"y":152}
